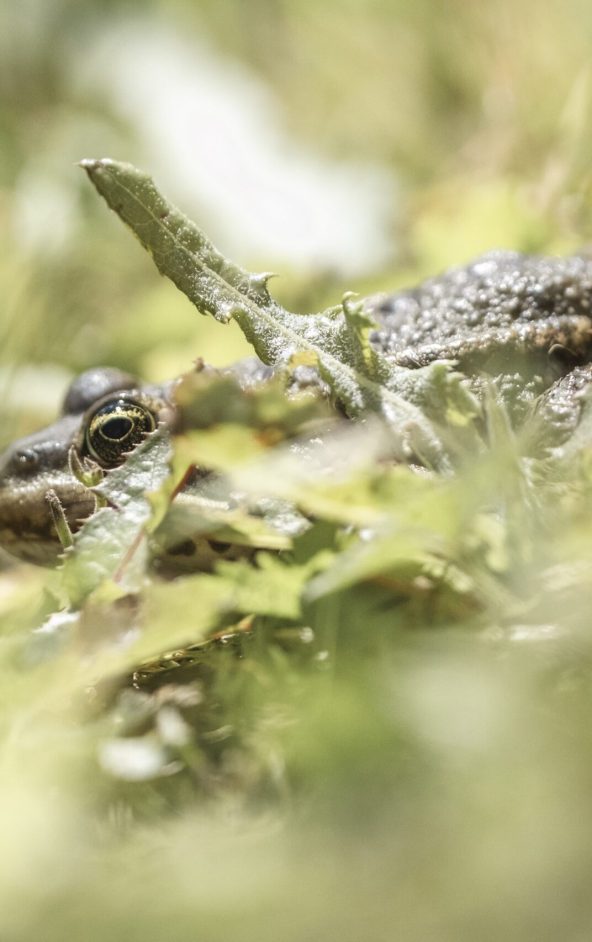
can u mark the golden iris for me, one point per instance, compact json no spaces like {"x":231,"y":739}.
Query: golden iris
{"x":116,"y":428}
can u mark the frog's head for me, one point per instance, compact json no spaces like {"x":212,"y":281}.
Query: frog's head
{"x":105,"y":414}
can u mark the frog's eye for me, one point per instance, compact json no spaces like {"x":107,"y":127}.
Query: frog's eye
{"x":116,"y":428}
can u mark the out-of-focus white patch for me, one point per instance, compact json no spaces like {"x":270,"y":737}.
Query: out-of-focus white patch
{"x":212,"y":137}
{"x":45,"y":214}
{"x":135,"y":759}
{"x":38,"y":388}
{"x":454,"y":706}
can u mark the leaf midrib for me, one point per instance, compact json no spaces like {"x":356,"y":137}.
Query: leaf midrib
{"x":243,"y":300}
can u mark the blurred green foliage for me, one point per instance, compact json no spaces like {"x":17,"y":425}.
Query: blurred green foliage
{"x":401,"y":748}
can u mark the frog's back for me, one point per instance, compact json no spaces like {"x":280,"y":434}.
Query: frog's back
{"x":500,"y":300}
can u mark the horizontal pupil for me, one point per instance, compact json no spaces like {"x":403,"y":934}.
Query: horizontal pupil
{"x":116,"y":428}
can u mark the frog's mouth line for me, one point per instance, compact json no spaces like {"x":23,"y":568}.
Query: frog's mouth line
{"x":525,"y":349}
{"x":27,"y":529}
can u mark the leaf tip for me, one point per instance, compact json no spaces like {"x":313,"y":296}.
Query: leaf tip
{"x":92,"y":163}
{"x":94,"y":166}
{"x":351,"y":303}
{"x":258,"y":282}
{"x":260,"y":279}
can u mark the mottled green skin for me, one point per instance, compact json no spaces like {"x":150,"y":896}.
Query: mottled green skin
{"x":524,"y":322}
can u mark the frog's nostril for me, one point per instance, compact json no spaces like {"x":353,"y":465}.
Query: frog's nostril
{"x":26,"y":459}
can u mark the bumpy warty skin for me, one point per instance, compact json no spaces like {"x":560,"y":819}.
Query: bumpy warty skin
{"x":515,"y":323}
{"x":559,"y":410}
{"x":501,"y":300}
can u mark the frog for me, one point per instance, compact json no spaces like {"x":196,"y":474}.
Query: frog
{"x":516,"y":323}
{"x":46,"y":478}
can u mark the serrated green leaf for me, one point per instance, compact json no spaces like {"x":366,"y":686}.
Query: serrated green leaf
{"x":182,"y":252}
{"x":206,"y":398}
{"x":110,"y":551}
{"x":272,"y":588}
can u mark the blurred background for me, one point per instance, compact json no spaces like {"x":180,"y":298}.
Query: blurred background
{"x":353,"y":144}
{"x":443,"y":790}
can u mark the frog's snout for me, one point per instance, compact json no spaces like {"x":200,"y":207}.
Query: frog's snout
{"x":28,"y":470}
{"x":26,"y":460}
{"x":29,"y":457}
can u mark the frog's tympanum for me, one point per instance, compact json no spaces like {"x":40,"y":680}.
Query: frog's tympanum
{"x":522,"y":323}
